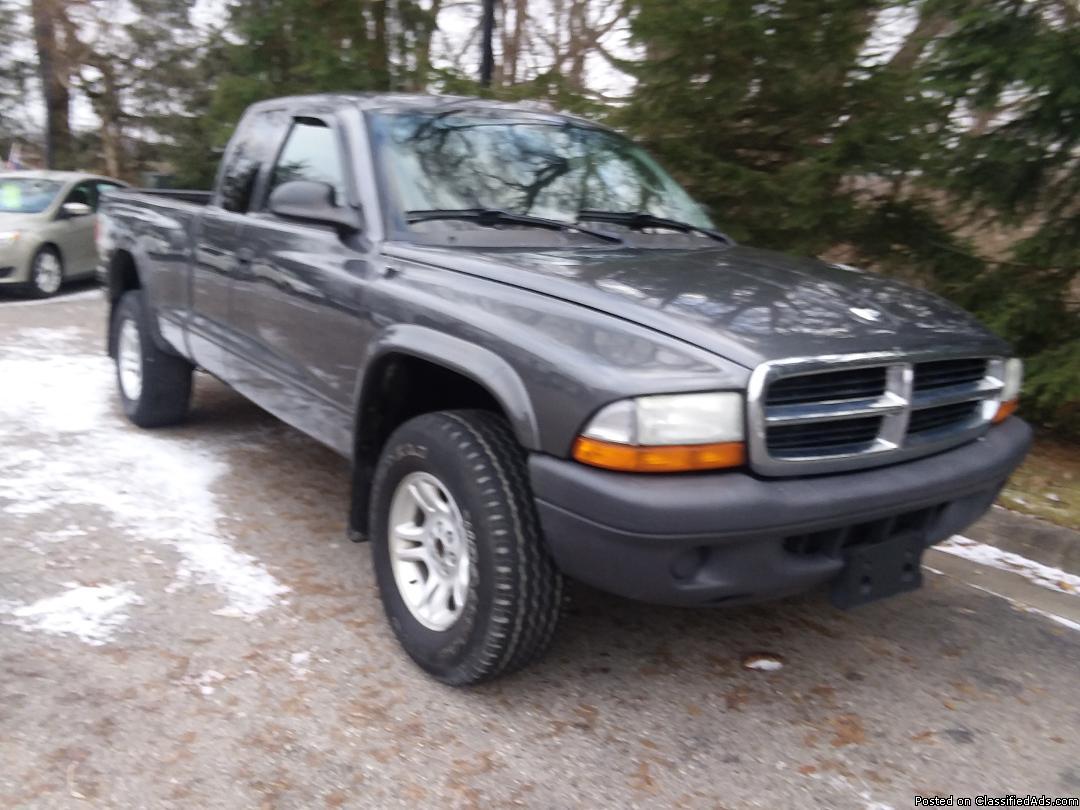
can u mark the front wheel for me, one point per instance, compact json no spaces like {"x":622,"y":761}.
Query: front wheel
{"x":465,"y":578}
{"x":46,"y":273}
{"x":155,"y":386}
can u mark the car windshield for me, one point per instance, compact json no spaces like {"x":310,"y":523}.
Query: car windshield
{"x":539,"y":167}
{"x":27,"y":195}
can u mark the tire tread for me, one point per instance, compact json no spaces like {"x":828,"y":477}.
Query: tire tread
{"x":166,"y":383}
{"x":528,"y":587}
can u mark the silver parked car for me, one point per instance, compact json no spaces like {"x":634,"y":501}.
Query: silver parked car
{"x":47,"y":228}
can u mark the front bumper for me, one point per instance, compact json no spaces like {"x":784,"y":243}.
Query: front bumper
{"x":733,"y":537}
{"x":14,"y":266}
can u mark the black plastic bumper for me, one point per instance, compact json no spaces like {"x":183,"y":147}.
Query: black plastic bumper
{"x":732,"y":537}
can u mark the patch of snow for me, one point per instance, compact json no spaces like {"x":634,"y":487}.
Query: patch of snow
{"x":207,"y":679}
{"x":299,"y":661}
{"x":158,"y":487}
{"x":763,"y":662}
{"x":62,"y":535}
{"x":1043,"y":575}
{"x":90,"y":613}
{"x":59,"y":299}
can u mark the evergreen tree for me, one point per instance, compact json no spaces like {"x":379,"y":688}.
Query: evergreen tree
{"x":1011,"y":69}
{"x":774,"y":116}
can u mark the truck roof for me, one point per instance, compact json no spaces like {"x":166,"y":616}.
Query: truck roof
{"x":405,"y":102}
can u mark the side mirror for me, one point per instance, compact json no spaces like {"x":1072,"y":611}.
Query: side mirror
{"x":311,"y":201}
{"x":75,"y":209}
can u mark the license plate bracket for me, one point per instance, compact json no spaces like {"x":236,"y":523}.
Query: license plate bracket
{"x":875,"y":571}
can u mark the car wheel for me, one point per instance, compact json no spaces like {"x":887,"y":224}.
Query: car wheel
{"x":155,"y":386}
{"x":46,"y":273}
{"x":465,"y":578}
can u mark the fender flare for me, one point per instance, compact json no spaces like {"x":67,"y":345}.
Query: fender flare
{"x":113,"y":293}
{"x":482,"y":366}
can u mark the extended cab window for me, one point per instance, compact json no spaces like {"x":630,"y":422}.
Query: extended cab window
{"x":311,"y":153}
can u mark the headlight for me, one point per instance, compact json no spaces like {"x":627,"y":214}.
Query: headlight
{"x":8,"y":238}
{"x":667,"y":433}
{"x":1012,"y":378}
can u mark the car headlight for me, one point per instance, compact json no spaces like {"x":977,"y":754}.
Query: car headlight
{"x":1012,"y":378}
{"x":8,"y":238}
{"x":666,"y":433}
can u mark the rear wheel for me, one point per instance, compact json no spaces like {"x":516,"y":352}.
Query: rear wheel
{"x":465,"y":578}
{"x":46,"y":273}
{"x":155,"y":386}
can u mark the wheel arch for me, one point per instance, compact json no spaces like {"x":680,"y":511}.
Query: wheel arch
{"x":121,"y":276}
{"x":50,"y":245}
{"x":44,"y":244}
{"x":451,"y":373}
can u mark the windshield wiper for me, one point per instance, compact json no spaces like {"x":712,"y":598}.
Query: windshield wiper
{"x":490,"y":217}
{"x":639,"y":220}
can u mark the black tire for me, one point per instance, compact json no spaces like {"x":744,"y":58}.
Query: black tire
{"x":35,"y":285}
{"x":165,"y":393}
{"x":511,"y":609}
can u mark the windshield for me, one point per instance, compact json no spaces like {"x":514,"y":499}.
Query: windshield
{"x":27,"y":195}
{"x":542,"y":168}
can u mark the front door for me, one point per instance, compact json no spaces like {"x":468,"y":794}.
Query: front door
{"x":75,"y":234}
{"x":299,"y":304}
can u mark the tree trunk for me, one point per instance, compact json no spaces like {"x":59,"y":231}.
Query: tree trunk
{"x":52,"y":67}
{"x":379,"y":59}
{"x":578,"y":43}
{"x":513,"y":38}
{"x":487,"y":33}
{"x":930,"y":26}
{"x":423,"y":47}
{"x":108,"y":108}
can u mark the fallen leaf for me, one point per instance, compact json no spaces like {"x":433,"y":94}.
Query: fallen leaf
{"x":847,"y":730}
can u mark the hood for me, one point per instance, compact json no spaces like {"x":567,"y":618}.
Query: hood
{"x":746,"y":304}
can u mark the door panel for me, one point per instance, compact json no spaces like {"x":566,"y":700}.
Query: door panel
{"x":213,"y":268}
{"x":299,"y":308}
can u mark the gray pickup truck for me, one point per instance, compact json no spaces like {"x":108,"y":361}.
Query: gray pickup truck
{"x":543,"y":360}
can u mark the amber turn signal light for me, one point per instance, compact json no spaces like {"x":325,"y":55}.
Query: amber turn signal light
{"x":660,"y":458}
{"x":1005,"y":410}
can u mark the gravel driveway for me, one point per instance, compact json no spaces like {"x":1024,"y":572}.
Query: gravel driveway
{"x":184,"y":624}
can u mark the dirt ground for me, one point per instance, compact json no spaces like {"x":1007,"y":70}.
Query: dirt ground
{"x":184,"y":624}
{"x":1047,"y":485}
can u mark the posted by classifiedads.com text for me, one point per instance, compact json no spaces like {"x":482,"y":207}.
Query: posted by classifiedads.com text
{"x":1008,"y":800}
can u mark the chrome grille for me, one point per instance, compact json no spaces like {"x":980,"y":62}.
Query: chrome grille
{"x":851,"y":383}
{"x":853,"y":435}
{"x":840,"y":413}
{"x":939,"y":373}
{"x":942,"y":416}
